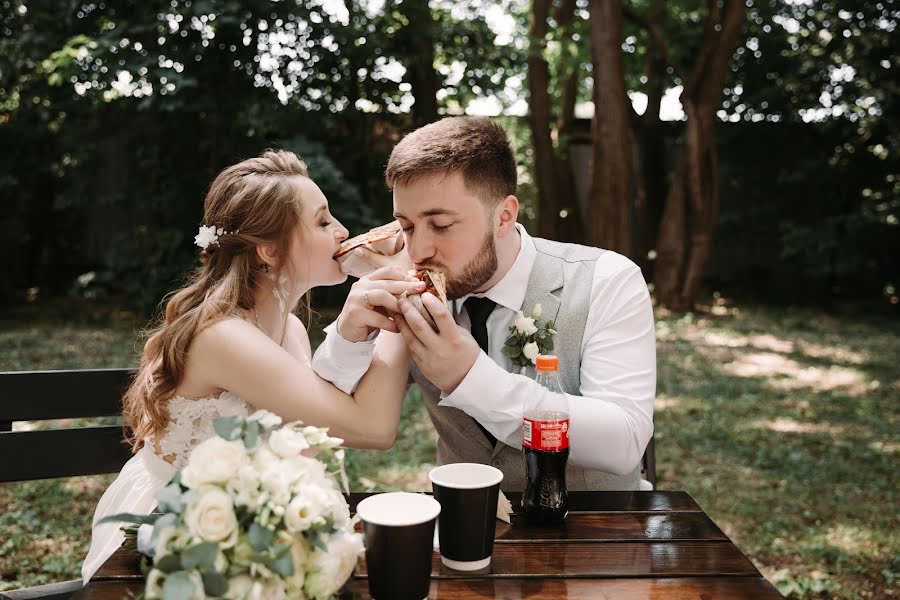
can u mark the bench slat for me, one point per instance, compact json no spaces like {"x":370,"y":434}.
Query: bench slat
{"x":43,"y":395}
{"x":62,"y":453}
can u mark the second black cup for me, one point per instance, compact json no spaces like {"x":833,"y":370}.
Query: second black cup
{"x":468,"y":495}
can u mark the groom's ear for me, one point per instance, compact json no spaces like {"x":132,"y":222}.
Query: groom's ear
{"x":267,"y":253}
{"x":506,"y":214}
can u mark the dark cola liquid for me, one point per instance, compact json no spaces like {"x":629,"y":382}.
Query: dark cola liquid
{"x":546,"y":500}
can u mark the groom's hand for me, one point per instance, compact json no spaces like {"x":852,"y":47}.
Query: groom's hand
{"x":445,"y":356}
{"x":372,"y":301}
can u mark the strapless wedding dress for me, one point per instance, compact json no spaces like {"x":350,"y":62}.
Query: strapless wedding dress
{"x":134,"y":490}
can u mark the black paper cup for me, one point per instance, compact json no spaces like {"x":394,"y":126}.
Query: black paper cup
{"x":468,"y":496}
{"x":399,"y":530}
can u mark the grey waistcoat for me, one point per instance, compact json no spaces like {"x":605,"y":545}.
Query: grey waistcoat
{"x":560,"y":282}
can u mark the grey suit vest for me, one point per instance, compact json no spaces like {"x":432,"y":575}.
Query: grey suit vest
{"x":560,"y":282}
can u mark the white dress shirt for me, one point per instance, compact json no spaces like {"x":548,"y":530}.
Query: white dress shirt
{"x":611,"y":420}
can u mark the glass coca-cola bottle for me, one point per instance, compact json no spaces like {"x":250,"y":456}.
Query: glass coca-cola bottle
{"x":545,"y":443}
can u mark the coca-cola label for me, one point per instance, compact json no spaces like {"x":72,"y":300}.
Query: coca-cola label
{"x":545,"y":435}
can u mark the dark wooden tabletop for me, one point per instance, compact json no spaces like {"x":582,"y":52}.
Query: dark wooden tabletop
{"x":613,"y":545}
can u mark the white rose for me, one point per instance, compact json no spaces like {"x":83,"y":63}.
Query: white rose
{"x":525,"y":325}
{"x":278,"y":481}
{"x":317,"y":436}
{"x":154,"y":585}
{"x":266,"y":419}
{"x":238,"y":587}
{"x":309,"y":507}
{"x":340,"y":512}
{"x":214,"y":461}
{"x":273,"y":590}
{"x":263,"y":457}
{"x":245,"y":487}
{"x":531,"y":351}
{"x":286,"y":442}
{"x":330,"y":569}
{"x":210,"y":517}
{"x":171,"y":540}
{"x":300,"y":556}
{"x":536,"y":312}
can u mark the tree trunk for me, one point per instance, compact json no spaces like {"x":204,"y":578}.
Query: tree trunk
{"x":539,"y":118}
{"x":650,"y":137}
{"x":419,"y":36}
{"x":571,"y":228}
{"x":692,"y":203}
{"x":609,"y":223}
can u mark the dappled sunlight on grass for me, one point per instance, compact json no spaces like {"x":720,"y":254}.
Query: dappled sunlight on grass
{"x":790,"y":426}
{"x":784,"y":427}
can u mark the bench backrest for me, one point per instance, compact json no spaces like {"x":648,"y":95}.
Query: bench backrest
{"x":46,"y":395}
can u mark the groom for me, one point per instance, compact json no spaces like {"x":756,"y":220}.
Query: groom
{"x":454,"y":185}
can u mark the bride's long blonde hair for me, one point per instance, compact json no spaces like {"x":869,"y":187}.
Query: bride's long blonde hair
{"x":258,"y":201}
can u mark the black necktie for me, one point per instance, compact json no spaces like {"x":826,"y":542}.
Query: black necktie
{"x":479,"y":310}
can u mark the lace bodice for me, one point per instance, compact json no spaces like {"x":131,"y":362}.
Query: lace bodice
{"x":191,"y":422}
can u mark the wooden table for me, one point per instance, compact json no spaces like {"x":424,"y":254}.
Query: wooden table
{"x":613,"y":545}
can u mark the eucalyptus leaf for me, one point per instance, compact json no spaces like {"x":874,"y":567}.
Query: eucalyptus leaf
{"x":260,"y":537}
{"x":169,"y":499}
{"x":168,"y":563}
{"x":201,"y":556}
{"x":214,"y":583}
{"x":251,"y":435}
{"x":129,"y":518}
{"x":283,"y":562}
{"x":229,"y":427}
{"x":511,"y":351}
{"x":178,"y":586}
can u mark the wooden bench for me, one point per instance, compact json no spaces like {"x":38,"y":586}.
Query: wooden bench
{"x":63,"y":452}
{"x":48,"y":395}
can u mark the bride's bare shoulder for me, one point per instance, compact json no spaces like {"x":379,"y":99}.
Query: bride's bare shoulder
{"x":228,"y":329}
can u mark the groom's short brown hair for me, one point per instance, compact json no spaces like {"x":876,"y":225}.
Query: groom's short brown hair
{"x":475,"y":146}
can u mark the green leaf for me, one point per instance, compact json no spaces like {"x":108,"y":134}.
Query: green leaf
{"x":260,"y":537}
{"x":168,"y":563}
{"x":316,"y":541}
{"x":130,"y":518}
{"x":215,"y":584}
{"x":283,"y":561}
{"x":178,"y":586}
{"x":512,"y":340}
{"x":169,"y":499}
{"x":251,"y":435}
{"x":201,"y":556}
{"x":229,"y":427}
{"x":511,"y":351}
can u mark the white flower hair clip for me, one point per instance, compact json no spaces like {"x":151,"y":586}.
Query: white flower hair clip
{"x":209,"y":235}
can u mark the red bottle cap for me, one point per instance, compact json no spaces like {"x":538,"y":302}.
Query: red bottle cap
{"x":547,"y":362}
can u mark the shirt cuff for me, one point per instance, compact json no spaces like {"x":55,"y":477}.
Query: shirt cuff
{"x":472,"y":386}
{"x":342,"y":362}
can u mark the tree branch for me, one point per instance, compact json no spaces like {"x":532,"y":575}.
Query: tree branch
{"x":654,"y":32}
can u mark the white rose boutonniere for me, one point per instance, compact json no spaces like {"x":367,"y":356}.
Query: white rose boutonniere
{"x":528,"y":338}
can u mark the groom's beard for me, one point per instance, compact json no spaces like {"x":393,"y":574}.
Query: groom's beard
{"x":475,"y":274}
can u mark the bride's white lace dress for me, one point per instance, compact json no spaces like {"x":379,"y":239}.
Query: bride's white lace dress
{"x":134,"y":490}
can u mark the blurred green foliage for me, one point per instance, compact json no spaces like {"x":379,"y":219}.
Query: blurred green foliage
{"x":114,"y":118}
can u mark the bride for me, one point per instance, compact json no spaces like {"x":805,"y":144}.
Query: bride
{"x":229,"y":342}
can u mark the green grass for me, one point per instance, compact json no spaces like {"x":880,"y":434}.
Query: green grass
{"x":782,"y":424}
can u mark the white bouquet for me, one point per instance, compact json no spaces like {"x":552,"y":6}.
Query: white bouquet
{"x":253,"y":515}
